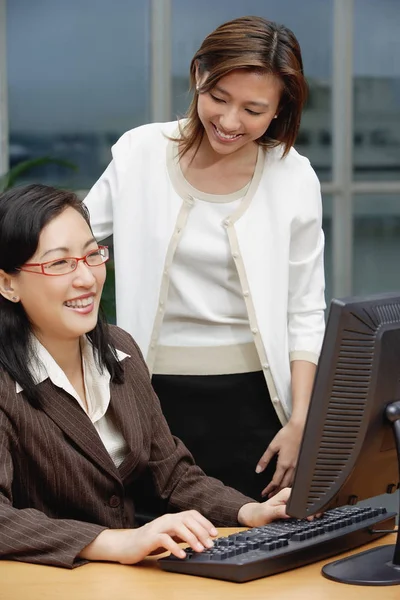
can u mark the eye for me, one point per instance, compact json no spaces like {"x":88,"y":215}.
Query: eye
{"x":57,"y":263}
{"x":97,"y":257}
{"x":62,"y":265}
{"x":215,"y":98}
{"x":252,"y":112}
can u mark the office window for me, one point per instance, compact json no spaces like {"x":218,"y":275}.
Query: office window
{"x":303,"y":139}
{"x":358,"y":138}
{"x":78,"y":74}
{"x":311,"y":22}
{"x":377,"y":89}
{"x":376,"y":225}
{"x":325,"y":138}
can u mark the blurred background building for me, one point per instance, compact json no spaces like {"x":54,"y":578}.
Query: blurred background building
{"x":75,"y":75}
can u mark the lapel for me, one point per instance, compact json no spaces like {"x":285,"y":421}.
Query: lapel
{"x":128,"y":421}
{"x":66,"y":413}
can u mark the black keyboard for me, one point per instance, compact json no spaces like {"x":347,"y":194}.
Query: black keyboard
{"x":283,"y":545}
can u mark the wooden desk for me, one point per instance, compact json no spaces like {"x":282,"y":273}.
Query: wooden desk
{"x":105,"y":581}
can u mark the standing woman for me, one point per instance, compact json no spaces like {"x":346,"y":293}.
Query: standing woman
{"x":219,"y":256}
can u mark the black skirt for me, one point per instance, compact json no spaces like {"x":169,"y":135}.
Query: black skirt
{"x":226,"y":421}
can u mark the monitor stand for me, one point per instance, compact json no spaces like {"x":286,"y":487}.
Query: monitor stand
{"x":381,"y":565}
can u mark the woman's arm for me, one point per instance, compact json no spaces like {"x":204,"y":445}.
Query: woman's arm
{"x":129,"y":546}
{"x":286,"y":443}
{"x":27,"y":534}
{"x":306,"y":305}
{"x":303,"y":375}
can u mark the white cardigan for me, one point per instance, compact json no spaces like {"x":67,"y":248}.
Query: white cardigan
{"x":276,"y":240}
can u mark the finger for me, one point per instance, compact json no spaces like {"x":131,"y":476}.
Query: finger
{"x":274,"y":511}
{"x":282,"y":496}
{"x":285,"y":483}
{"x":168,"y":522}
{"x":275,"y":482}
{"x":188,"y":536}
{"x":163,"y":540}
{"x":198,"y":529}
{"x":287,"y":478}
{"x":269,"y":491}
{"x":265,"y":459}
{"x":205,"y":523}
{"x":276,"y":491}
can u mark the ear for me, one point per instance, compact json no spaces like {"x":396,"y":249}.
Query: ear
{"x":8,"y":287}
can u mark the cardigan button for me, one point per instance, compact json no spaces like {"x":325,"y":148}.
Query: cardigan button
{"x":246,"y":293}
{"x":254,"y":330}
{"x":114,"y":501}
{"x":227,"y":223}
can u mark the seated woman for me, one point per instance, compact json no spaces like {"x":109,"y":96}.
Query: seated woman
{"x":79,"y":420}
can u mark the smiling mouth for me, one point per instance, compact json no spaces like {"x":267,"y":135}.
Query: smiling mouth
{"x":80,"y":303}
{"x":226,"y":137}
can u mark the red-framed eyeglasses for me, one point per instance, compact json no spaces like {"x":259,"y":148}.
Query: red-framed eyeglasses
{"x":63,"y":266}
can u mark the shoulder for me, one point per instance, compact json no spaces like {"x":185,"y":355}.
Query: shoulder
{"x":136,"y":373}
{"x":292,"y":175}
{"x":293,"y":163}
{"x":8,"y":392}
{"x":123,"y":341}
{"x":144,"y":136}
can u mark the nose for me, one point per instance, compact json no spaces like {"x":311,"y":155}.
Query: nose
{"x":229,"y":120}
{"x":84,"y":276}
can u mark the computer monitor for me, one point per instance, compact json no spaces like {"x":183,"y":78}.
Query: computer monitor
{"x":351,"y":443}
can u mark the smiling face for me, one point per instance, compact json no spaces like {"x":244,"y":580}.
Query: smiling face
{"x":62,"y":307}
{"x":238,"y":109}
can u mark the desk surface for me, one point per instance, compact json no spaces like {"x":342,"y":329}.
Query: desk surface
{"x":106,"y":581}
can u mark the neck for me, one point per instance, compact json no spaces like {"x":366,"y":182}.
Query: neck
{"x":66,"y":353}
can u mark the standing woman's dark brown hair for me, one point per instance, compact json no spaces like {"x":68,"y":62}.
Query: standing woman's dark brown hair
{"x":255,"y":44}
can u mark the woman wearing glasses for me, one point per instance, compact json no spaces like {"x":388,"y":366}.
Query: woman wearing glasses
{"x":79,"y":420}
{"x":219,"y":256}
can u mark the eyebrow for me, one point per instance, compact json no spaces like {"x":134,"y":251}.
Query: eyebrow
{"x":250,"y":102}
{"x":64,"y":249}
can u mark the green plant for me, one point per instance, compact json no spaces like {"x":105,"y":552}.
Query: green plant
{"x":10,"y":179}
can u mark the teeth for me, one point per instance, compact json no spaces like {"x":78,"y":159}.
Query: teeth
{"x":225,"y":136}
{"x":81,"y":303}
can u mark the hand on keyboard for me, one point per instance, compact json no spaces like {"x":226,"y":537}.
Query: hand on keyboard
{"x":255,"y":514}
{"x":129,"y":546}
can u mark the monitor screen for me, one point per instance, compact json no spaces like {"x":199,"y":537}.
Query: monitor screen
{"x":348,"y":452}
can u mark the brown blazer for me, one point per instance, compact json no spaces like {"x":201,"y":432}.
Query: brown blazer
{"x":59,"y":487}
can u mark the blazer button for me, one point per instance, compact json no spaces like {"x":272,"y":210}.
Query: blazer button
{"x":114,"y":501}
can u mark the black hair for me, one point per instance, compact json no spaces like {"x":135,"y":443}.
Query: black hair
{"x":24,"y":212}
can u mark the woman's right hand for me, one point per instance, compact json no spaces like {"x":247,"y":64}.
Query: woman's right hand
{"x":129,"y":546}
